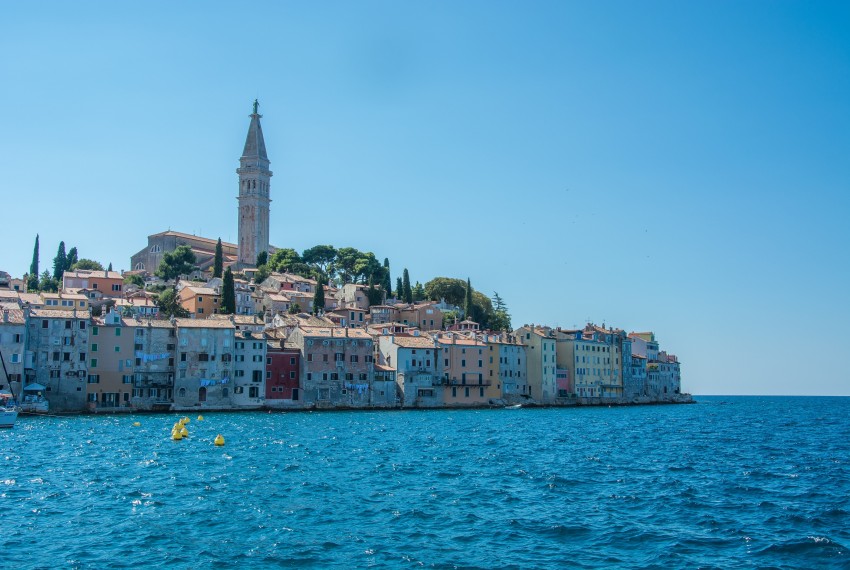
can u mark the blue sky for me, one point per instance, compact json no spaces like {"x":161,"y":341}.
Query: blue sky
{"x":679,"y":167}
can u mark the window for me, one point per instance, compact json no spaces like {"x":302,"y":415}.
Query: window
{"x":117,"y":348}
{"x":94,"y":379}
{"x":203,"y":357}
{"x":67,"y":324}
{"x":44,"y":324}
{"x":94,"y":347}
{"x":82,"y":325}
{"x":82,"y":357}
{"x":292,"y":374}
{"x":309,"y":357}
{"x":66,"y":356}
{"x":292,"y":360}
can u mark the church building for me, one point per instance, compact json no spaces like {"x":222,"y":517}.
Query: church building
{"x":253,"y":221}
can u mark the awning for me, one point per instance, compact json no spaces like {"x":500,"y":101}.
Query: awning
{"x":34,"y":387}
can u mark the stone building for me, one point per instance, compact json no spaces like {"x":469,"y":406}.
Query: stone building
{"x":205,"y":363}
{"x":59,"y":341}
{"x":13,"y":345}
{"x":154,"y":342}
{"x":249,"y":369}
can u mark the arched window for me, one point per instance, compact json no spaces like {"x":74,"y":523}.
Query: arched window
{"x":182,"y":392}
{"x":224,"y":392}
{"x":140,"y":266}
{"x":202,"y":394}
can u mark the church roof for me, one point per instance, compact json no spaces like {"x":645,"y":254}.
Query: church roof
{"x":255,"y":145}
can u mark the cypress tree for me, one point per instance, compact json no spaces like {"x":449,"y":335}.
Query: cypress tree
{"x":399,"y":289}
{"x":388,"y":283}
{"x":319,"y":298}
{"x":59,"y":261}
{"x":34,"y":264}
{"x":228,"y":294}
{"x":71,"y":259}
{"x":110,"y":267}
{"x":467,"y":301}
{"x":408,"y":292}
{"x":219,"y":259}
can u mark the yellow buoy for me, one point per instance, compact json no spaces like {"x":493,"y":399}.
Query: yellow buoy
{"x":176,"y":435}
{"x":219,"y":440}
{"x":136,"y":424}
{"x":184,"y":432}
{"x":200,"y":418}
{"x":186,"y":420}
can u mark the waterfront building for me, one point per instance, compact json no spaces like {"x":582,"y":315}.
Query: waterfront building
{"x":593,"y":358}
{"x":337,"y":365}
{"x":513,"y":364}
{"x":154,"y":353}
{"x":110,"y":379}
{"x":205,"y":363}
{"x":65,"y":301}
{"x":541,"y":358}
{"x":463,"y":369}
{"x":249,"y":369}
{"x":283,"y":374}
{"x":13,"y":345}
{"x":59,"y":342}
{"x":416,"y":360}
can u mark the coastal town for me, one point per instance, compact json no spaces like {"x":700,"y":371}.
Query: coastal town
{"x":201,"y":324}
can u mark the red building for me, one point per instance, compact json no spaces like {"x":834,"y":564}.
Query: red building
{"x":283,"y":363}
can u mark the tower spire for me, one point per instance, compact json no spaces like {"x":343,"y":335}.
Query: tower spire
{"x":254,"y":194}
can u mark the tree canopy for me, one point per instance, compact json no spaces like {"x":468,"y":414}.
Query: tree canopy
{"x":88,"y":264}
{"x":452,"y":290}
{"x":218,"y":261}
{"x":169,"y":304}
{"x":175,"y":263}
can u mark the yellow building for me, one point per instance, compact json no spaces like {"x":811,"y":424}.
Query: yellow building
{"x":201,"y":302}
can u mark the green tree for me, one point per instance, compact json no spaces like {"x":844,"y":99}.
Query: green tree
{"x":294,"y":309}
{"x":134,"y":279}
{"x":262,"y":274}
{"x":450,"y":289}
{"x":47,"y":283}
{"x":374,"y":295}
{"x":320,"y":257}
{"x":418,"y":292}
{"x":228,"y":294}
{"x":319,"y":299}
{"x":175,"y":263}
{"x":284,"y":260}
{"x":169,"y":304}
{"x":262,"y":258}
{"x":87,"y":264}
{"x":405,"y":281}
{"x":110,"y":267}
{"x":501,"y":318}
{"x":72,"y":259}
{"x":449,"y":318}
{"x":32,"y":283}
{"x":34,"y":264}
{"x":59,"y":261}
{"x":345,"y":265}
{"x":482,"y":309}
{"x":467,"y":300}
{"x":387,"y":283}
{"x":399,"y":289}
{"x":218,"y":261}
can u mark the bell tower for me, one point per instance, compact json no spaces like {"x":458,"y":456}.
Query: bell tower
{"x":254,"y":200}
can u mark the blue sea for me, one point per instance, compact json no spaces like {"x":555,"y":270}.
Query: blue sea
{"x":729,"y":482}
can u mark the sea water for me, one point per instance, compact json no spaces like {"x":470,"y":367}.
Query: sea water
{"x":729,"y":482}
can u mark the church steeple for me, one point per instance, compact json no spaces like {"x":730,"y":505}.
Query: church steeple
{"x":254,"y":194}
{"x":255,"y":145}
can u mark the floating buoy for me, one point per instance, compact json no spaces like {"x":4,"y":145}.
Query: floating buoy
{"x":219,"y":440}
{"x":200,"y":418}
{"x":184,"y":432}
{"x":186,"y":420}
{"x":176,"y":435}
{"x":136,"y":424}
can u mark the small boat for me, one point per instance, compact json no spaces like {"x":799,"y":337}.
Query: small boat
{"x":33,"y":401}
{"x":8,"y":406}
{"x":513,"y":407}
{"x":8,"y":410}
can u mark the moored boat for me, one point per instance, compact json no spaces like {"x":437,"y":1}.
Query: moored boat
{"x":33,"y":401}
{"x":8,"y":410}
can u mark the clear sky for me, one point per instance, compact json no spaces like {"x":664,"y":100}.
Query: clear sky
{"x":681,"y":167}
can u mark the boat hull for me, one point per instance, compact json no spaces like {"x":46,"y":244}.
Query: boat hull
{"x":7,"y":418}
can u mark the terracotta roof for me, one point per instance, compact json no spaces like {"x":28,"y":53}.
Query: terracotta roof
{"x":31,"y":298}
{"x":414,"y":341}
{"x":200,"y":290}
{"x":204,"y":324}
{"x":334,"y":332}
{"x":238,"y":319}
{"x":60,"y":314}
{"x":14,"y":316}
{"x":92,"y":274}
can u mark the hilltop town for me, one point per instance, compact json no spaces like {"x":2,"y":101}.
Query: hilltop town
{"x":201,"y":324}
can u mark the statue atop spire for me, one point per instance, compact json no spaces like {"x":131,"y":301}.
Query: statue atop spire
{"x":256,"y":104}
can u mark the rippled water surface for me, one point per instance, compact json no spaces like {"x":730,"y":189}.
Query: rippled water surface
{"x":728,"y":482}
